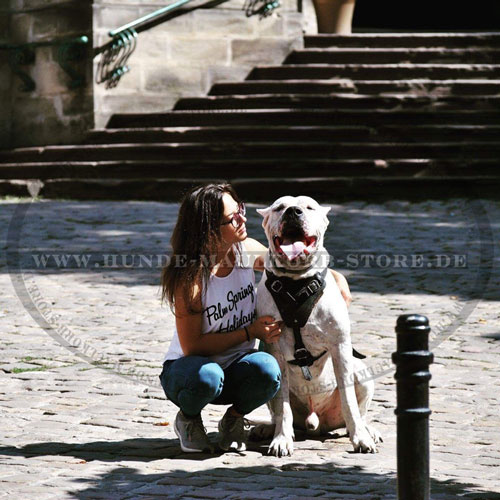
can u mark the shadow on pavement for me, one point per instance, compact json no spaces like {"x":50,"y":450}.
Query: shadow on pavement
{"x":281,"y":479}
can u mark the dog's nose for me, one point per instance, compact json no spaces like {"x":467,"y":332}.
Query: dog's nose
{"x":294,"y":212}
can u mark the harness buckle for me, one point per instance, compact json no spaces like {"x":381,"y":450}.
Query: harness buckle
{"x":313,"y":287}
{"x":301,"y":354}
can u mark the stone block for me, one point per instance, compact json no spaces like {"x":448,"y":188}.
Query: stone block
{"x":30,"y":4}
{"x":294,"y":25}
{"x":50,"y":79}
{"x":21,"y":27}
{"x":112,"y":17}
{"x":219,"y":23}
{"x":62,"y":21}
{"x":40,"y":121}
{"x":199,"y":52}
{"x":309,"y":22}
{"x":77,"y":103}
{"x":261,"y":51}
{"x":180,"y":24}
{"x":5,"y":118}
{"x":6,"y":79}
{"x":274,"y":25}
{"x":173,"y":80}
{"x":4,"y":27}
{"x":232,"y":73}
{"x":150,"y":46}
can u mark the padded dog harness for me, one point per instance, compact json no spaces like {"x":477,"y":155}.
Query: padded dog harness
{"x":295,"y":300}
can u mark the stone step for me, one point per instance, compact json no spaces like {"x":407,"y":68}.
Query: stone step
{"x":410,"y":133}
{"x":261,"y":168}
{"x":264,"y":189}
{"x":375,"y":71}
{"x":413,"y":87}
{"x":241,"y":150}
{"x":336,"y":55}
{"x":368,"y":103}
{"x":405,"y":40}
{"x":290,"y":117}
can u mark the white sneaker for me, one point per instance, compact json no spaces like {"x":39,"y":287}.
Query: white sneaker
{"x":192,"y":434}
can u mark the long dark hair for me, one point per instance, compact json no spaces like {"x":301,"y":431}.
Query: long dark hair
{"x":195,"y":240}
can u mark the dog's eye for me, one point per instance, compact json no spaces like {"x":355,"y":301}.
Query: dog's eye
{"x":279,"y":208}
{"x":310,"y":208}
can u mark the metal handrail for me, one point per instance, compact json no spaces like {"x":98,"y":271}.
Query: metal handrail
{"x":141,"y":24}
{"x":70,"y":50}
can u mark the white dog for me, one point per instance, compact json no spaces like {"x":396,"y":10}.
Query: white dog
{"x":319,"y":396}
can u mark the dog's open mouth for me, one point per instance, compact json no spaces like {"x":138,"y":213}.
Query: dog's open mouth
{"x":294,"y":244}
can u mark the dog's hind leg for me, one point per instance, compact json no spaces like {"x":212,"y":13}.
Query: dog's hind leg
{"x":363,"y":386}
{"x":262,"y":432}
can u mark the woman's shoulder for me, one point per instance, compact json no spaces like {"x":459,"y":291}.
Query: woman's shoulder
{"x":251,"y":244}
{"x":254,"y":253}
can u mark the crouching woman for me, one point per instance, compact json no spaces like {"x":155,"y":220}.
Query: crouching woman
{"x":210,"y":285}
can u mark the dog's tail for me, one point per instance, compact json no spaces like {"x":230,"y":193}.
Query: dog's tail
{"x":312,"y":422}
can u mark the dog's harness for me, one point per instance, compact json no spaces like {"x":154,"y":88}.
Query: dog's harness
{"x":295,"y":300}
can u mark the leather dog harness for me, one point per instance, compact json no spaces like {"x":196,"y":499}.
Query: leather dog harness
{"x":295,"y":300}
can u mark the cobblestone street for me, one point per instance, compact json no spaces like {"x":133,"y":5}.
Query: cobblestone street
{"x":83,"y":412}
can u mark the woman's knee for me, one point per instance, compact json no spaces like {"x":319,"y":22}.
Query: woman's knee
{"x":209,"y":380}
{"x":195,"y":374}
{"x":265,"y":368}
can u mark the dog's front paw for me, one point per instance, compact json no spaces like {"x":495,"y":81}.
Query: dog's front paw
{"x":375,"y":434}
{"x":281,"y":446}
{"x":363,"y":442}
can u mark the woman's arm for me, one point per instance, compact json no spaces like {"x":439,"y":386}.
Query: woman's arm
{"x":343,"y":285}
{"x":257,"y":253}
{"x":194,"y":342}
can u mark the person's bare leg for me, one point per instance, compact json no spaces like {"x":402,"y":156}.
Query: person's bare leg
{"x":334,"y":16}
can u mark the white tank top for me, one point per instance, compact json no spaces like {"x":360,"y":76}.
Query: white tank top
{"x":228,"y":304}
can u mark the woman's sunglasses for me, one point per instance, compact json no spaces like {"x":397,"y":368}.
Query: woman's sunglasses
{"x":237,"y":219}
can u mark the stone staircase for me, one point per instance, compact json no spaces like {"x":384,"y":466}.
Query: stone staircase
{"x":363,"y":116}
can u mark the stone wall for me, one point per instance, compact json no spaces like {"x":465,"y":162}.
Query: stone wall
{"x":181,"y":57}
{"x":186,"y":55}
{"x":52,"y":113}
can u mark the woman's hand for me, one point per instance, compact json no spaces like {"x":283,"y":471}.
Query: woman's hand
{"x":266,"y":328}
{"x":344,"y":287}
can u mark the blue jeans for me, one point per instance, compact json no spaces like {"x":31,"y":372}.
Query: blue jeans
{"x":192,"y":382}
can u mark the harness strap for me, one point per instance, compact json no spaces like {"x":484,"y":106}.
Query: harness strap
{"x":295,"y":309}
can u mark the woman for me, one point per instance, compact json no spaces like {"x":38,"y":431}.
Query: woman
{"x":210,"y":284}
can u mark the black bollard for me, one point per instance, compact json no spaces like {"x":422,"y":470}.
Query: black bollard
{"x":412,"y":361}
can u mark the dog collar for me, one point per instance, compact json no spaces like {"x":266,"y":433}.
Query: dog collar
{"x":289,"y":271}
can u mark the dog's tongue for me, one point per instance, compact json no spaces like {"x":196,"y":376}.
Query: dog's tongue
{"x":294,"y":249}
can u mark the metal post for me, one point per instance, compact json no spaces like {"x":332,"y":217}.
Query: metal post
{"x":412,"y":361}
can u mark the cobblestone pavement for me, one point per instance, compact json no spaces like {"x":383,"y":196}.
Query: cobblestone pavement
{"x":84,"y":416}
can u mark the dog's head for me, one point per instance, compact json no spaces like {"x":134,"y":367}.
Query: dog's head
{"x":295,"y":228}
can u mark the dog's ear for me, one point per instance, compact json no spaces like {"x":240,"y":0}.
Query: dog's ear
{"x":263,"y":211}
{"x":325,"y":209}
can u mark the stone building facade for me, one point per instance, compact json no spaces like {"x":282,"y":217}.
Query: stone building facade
{"x":181,"y":57}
